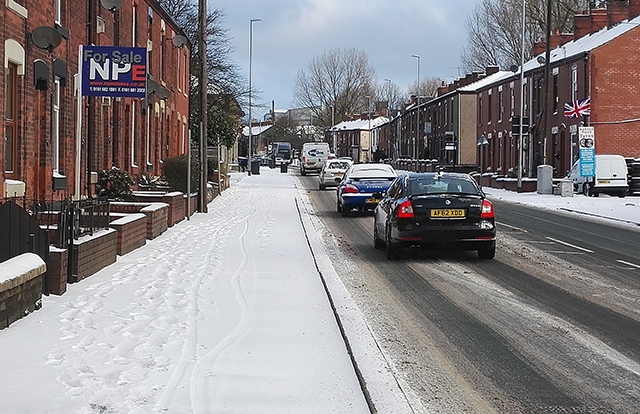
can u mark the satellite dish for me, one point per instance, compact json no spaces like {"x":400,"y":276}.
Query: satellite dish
{"x":541,"y":60}
{"x":152,"y":86}
{"x":45,"y":37}
{"x":514,"y":68}
{"x":111,"y":5}
{"x":163,"y":93}
{"x":179,"y":41}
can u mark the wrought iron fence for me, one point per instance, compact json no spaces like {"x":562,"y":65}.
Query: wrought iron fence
{"x":62,"y":220}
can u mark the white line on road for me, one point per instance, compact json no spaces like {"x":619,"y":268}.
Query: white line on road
{"x":628,"y":264}
{"x":570,"y":245}
{"x":512,"y":227}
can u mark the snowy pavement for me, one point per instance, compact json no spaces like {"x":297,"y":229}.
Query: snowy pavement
{"x":224,"y":313}
{"x":622,"y":210}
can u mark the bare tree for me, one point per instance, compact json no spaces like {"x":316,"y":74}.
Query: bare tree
{"x":494,"y":30}
{"x":339,"y":81}
{"x":391,"y":96}
{"x":225,"y":84}
{"x":428,"y":88}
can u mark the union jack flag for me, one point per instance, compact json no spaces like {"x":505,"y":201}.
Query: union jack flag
{"x":579,"y":107}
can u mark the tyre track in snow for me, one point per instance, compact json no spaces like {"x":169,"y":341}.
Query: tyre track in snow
{"x":189,"y":364}
{"x":198,"y":383}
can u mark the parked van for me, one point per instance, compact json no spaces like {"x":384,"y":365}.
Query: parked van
{"x":611,"y":177}
{"x":313,"y":156}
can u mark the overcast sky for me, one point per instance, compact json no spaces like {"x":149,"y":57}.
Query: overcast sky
{"x":292,"y":32}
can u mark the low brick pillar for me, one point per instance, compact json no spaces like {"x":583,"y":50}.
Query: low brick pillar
{"x":58,"y":270}
{"x":20,"y":287}
{"x":156,"y":219}
{"x":132,"y":232}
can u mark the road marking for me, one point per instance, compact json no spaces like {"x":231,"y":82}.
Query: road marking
{"x":628,"y":264}
{"x":513,"y":227}
{"x":570,"y":245}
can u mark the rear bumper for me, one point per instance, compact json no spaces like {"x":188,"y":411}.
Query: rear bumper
{"x":360,"y":200}
{"x":468,"y":237}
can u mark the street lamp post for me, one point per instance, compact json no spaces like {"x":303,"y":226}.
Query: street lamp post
{"x":249,"y":155}
{"x":520,"y":140}
{"x":202,"y":51}
{"x":333,"y":133}
{"x":369,"y":118}
{"x":418,"y":111}
{"x":389,"y":115}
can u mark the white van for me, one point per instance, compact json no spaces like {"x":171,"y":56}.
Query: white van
{"x":313,"y":156}
{"x":611,"y":177}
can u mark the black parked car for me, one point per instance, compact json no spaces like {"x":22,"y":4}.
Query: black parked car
{"x":434,"y":210}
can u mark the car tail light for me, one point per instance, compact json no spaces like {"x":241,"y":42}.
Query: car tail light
{"x":405,"y":210}
{"x":487,"y":210}
{"x":304,"y":159}
{"x":350,"y":188}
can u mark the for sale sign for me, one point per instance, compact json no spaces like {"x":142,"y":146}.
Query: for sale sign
{"x":113,"y":71}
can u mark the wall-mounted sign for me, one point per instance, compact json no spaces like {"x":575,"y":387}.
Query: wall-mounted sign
{"x":587,"y":140}
{"x":113,"y":71}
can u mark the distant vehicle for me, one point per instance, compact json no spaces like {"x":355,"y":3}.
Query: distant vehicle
{"x":359,"y":185}
{"x":332,"y":173}
{"x":313,"y":156}
{"x":611,"y":177}
{"x":434,"y":210}
{"x":281,"y":152}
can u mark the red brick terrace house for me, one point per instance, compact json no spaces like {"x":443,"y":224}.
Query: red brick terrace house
{"x":52,"y":144}
{"x":599,"y":61}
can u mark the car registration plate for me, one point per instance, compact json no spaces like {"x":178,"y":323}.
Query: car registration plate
{"x":447,"y":213}
{"x":372,"y":200}
{"x":604,"y":181}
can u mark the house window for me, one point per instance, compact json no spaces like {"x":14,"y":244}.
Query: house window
{"x":574,"y":82}
{"x":489,"y":107}
{"x":134,"y":26}
{"x":480,"y":110}
{"x":500,"y":104}
{"x":10,"y":104}
{"x":555,"y":93}
{"x":55,"y":127}
{"x":134,"y":152}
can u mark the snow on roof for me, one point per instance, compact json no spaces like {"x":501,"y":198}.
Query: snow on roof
{"x":255,"y":130}
{"x":487,"y":80}
{"x":570,"y":49}
{"x":587,"y":43}
{"x":360,"y":124}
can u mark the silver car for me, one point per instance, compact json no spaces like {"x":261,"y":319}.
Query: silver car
{"x":332,"y":172}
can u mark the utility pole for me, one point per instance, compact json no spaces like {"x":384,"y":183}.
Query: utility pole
{"x":202,"y":52}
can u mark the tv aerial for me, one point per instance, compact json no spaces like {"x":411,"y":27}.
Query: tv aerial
{"x":45,"y":37}
{"x":111,"y":5}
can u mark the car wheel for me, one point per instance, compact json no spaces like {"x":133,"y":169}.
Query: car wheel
{"x":321,"y":186}
{"x":377,"y":243}
{"x":345,"y":211}
{"x":487,"y":252}
{"x":339,"y":208}
{"x":585,"y":189}
{"x":302,"y":171}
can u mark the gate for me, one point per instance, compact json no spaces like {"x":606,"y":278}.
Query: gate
{"x":20,"y":233}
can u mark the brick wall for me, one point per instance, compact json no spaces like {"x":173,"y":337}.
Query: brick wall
{"x":157,"y":215}
{"x":132,"y":232}
{"x":93,"y":253}
{"x":20,"y":287}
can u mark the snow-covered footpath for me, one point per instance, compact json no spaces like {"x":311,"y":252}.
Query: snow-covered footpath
{"x":224,"y":313}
